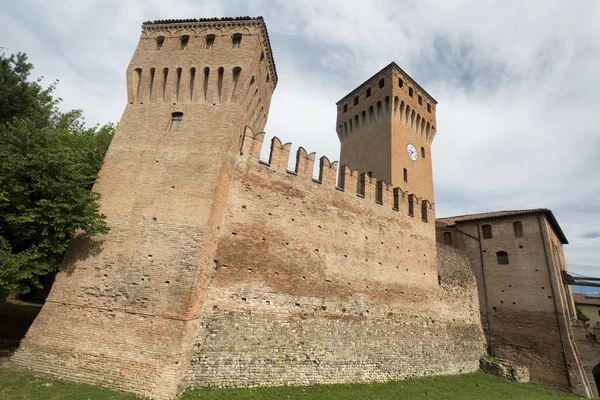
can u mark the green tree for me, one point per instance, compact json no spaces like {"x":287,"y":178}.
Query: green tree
{"x":48,"y":163}
{"x":21,"y":97}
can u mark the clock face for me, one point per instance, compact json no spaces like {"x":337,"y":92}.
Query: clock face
{"x":412,"y":152}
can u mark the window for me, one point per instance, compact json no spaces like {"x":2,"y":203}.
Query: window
{"x":405,"y":175}
{"x":410,"y":92}
{"x":236,"y":40}
{"x":356,"y":100}
{"x":381,"y":83}
{"x":420,"y":100}
{"x":184,"y":42}
{"x":424,"y":210}
{"x":159,"y":42}
{"x":518,"y":227}
{"x":487,"y":231}
{"x":423,"y":152}
{"x":428,"y":107}
{"x":411,"y":201}
{"x":502,"y":257}
{"x":345,"y":107}
{"x":448,"y":238}
{"x":369,"y":92}
{"x":176,"y":118}
{"x":400,"y":82}
{"x":210,"y":40}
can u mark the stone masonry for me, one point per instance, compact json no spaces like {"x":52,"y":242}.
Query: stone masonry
{"x":223,"y":270}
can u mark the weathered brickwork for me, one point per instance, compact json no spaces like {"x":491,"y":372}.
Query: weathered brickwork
{"x":526,"y":310}
{"x":322,"y":286}
{"x":221,"y":270}
{"x":164,"y":190}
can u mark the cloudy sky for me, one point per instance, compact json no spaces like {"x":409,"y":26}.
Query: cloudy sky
{"x":517,"y":85}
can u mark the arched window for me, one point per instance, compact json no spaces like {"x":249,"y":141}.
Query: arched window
{"x":518,"y":227}
{"x":502,"y":257}
{"x":487,"y":231}
{"x":159,"y":42}
{"x":236,"y":40}
{"x":176,"y":118}
{"x":210,"y":40}
{"x":448,"y":238}
{"x":184,"y":42}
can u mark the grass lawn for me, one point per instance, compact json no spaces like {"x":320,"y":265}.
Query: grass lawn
{"x":16,"y":385}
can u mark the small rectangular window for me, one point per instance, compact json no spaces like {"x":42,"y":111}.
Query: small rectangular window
{"x":428,"y":107}
{"x":176,"y":118}
{"x":448,"y":238}
{"x":369,"y":92}
{"x":210,"y":41}
{"x":502,"y":257}
{"x":420,"y":100}
{"x":411,"y":204}
{"x":423,"y":152}
{"x":236,"y":40}
{"x":345,"y":107}
{"x":400,"y":82}
{"x":381,"y":83}
{"x":410,"y":92}
{"x":518,"y":228}
{"x":487,"y":231}
{"x":424,"y":210}
{"x":356,"y":100}
{"x":405,"y":175}
{"x":184,"y":42}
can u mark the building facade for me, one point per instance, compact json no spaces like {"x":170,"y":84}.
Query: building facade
{"x":527,"y":311}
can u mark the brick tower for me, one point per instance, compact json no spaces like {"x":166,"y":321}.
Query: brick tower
{"x":124,"y":309}
{"x":386,"y":126}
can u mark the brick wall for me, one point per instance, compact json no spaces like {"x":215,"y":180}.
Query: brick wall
{"x":318,"y":285}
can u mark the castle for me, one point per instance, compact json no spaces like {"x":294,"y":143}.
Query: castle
{"x":224,"y":270}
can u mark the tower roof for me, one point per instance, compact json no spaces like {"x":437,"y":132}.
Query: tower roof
{"x":220,"y":22}
{"x":450,"y":221}
{"x":370,"y":81}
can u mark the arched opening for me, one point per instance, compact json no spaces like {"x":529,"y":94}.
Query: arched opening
{"x":236,"y":40}
{"x":596,"y":373}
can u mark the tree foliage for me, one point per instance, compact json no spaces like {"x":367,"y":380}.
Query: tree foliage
{"x":48,"y":163}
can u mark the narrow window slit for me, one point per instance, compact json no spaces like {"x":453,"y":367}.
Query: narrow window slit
{"x":164,"y":83}
{"x":152,"y":72}
{"x":192,"y":79}
{"x":178,"y":84}
{"x":220,"y":82}
{"x":206,"y":73}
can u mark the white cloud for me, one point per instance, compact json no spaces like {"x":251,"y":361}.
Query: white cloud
{"x":516,"y":83}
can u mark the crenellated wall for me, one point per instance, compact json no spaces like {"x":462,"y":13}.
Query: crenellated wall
{"x":322,"y":284}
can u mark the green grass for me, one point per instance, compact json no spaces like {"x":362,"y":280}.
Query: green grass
{"x":16,"y":385}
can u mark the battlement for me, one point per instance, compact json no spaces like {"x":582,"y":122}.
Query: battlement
{"x":209,"y":33}
{"x":371,"y":102}
{"x":351,"y":181}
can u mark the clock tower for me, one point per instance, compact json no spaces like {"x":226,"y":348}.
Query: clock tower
{"x":386,"y":127}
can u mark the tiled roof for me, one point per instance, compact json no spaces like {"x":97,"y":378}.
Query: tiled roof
{"x":223,"y":19}
{"x":584,"y":299}
{"x":449,"y":221}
